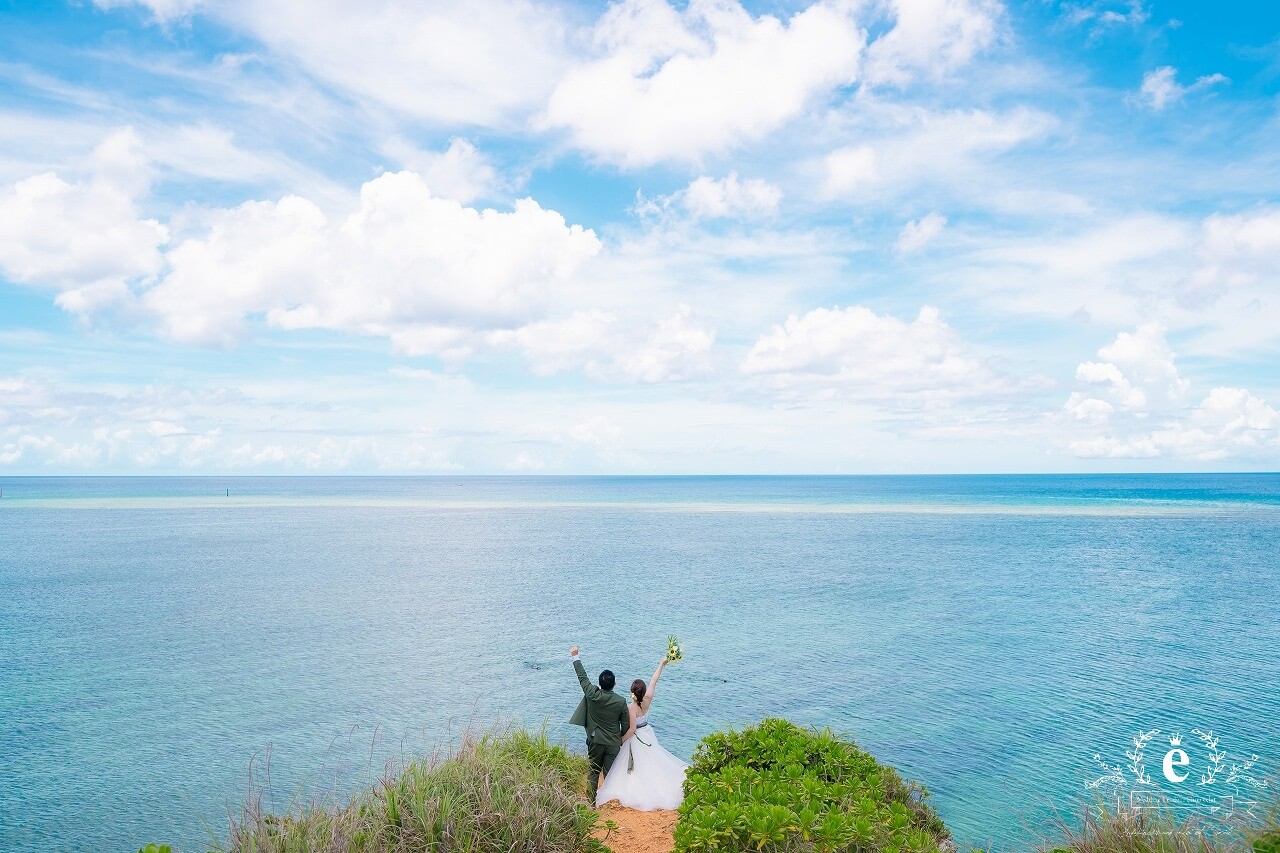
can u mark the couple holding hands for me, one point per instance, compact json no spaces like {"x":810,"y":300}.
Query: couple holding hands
{"x":638,"y":773}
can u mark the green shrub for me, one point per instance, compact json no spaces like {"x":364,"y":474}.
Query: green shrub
{"x":1263,"y":833}
{"x":777,"y":787}
{"x":510,"y":792}
{"x":1267,"y":843}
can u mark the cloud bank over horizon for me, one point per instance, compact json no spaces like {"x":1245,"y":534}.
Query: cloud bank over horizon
{"x":642,"y":236}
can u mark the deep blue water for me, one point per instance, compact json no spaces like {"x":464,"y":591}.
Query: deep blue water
{"x":163,"y":644}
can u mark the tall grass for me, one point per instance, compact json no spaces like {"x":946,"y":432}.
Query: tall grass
{"x":498,"y":791}
{"x":1121,"y":829}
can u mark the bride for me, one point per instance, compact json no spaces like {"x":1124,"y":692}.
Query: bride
{"x":644,"y":776}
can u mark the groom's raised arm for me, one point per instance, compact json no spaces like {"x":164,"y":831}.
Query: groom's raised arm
{"x":590,"y":690}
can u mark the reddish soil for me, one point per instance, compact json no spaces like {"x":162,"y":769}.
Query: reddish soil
{"x":638,"y":832}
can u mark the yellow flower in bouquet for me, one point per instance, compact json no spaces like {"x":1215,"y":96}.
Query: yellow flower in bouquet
{"x":675,"y":652}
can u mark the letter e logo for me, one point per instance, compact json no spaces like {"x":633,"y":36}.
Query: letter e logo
{"x":1172,"y":759}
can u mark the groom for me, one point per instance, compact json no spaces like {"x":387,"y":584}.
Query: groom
{"x":604,"y":715}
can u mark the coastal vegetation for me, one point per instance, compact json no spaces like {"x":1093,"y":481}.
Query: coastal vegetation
{"x":771,"y":788}
{"x":1106,"y":829}
{"x":776,"y":787}
{"x":507,"y":790}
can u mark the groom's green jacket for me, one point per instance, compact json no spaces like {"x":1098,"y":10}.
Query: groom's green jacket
{"x":602,"y":713}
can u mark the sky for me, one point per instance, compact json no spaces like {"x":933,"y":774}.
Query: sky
{"x":503,"y":236}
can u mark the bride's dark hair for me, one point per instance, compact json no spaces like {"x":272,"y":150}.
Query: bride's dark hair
{"x":637,"y":690}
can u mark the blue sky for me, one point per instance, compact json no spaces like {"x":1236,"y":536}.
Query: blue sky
{"x":833,"y":237}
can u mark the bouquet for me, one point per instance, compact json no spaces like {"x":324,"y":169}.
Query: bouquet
{"x":675,"y":652}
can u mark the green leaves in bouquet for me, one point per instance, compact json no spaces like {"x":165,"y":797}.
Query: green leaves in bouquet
{"x":777,"y":787}
{"x":156,"y":848}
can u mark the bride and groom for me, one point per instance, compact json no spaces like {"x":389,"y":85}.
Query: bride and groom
{"x":621,"y":743}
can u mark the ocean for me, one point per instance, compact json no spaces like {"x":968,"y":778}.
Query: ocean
{"x":170,"y":645}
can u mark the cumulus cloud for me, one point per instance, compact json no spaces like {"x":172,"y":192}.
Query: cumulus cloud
{"x":406,"y":263}
{"x":932,"y":38}
{"x":708,"y":198}
{"x":871,"y":356}
{"x":460,"y":172}
{"x":918,"y":233}
{"x":1160,"y":87}
{"x":679,"y":84}
{"x":405,"y":259}
{"x":1133,"y":405}
{"x":1146,"y":356}
{"x":85,"y":239}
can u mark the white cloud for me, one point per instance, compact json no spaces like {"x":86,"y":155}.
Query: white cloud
{"x":440,"y":380}
{"x":208,"y":151}
{"x":871,"y":356}
{"x":164,"y":11}
{"x":460,"y":172}
{"x":598,"y":431}
{"x":484,"y":62}
{"x":1108,"y":273}
{"x":87,"y":238}
{"x":1145,"y":356}
{"x":1213,"y":280}
{"x":932,"y":38}
{"x":525,"y":461}
{"x":673,"y":350}
{"x":551,"y":346}
{"x":407,"y":264}
{"x":677,"y":85}
{"x":1135,"y":408}
{"x":428,"y":272}
{"x":1103,"y":15}
{"x":708,"y":198}
{"x":1234,"y":252}
{"x":1229,"y":422}
{"x":1113,"y":381}
{"x":1088,"y":408}
{"x":48,"y":426}
{"x":917,"y":145}
{"x":1160,"y":88}
{"x":851,"y":168}
{"x":164,"y":429}
{"x":918,"y":233}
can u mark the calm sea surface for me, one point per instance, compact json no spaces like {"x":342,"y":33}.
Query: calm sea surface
{"x":165,"y":645}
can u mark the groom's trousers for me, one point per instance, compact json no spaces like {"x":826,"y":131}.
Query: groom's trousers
{"x":600,"y":757}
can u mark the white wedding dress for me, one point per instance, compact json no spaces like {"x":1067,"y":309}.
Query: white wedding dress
{"x":644,"y":776}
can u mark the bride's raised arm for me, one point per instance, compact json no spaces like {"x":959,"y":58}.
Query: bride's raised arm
{"x":653,"y":686}
{"x":631,"y":723}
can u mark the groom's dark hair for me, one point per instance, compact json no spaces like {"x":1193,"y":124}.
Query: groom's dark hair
{"x":606,"y":680}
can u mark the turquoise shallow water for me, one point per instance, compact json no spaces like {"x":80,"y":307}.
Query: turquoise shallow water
{"x":163,"y":645}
